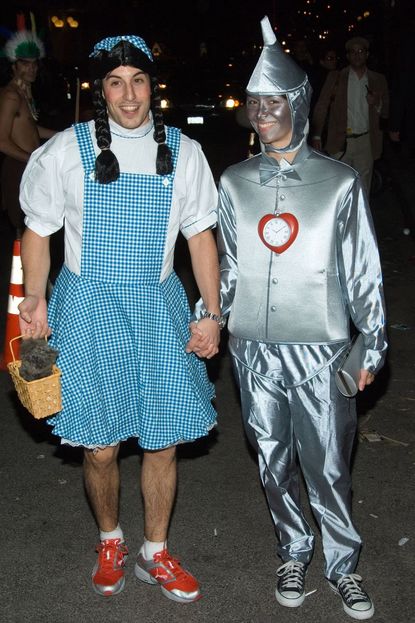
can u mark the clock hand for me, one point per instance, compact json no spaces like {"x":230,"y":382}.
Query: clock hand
{"x":280,"y":229}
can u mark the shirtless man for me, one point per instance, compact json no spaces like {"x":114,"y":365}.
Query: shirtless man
{"x":20,"y":134}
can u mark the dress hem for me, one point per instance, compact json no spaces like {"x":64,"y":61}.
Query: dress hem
{"x":100,"y":446}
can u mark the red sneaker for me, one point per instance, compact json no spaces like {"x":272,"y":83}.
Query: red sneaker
{"x":108,"y":574}
{"x":176,"y":583}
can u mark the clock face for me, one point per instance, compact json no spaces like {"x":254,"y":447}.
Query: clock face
{"x":278,"y":232}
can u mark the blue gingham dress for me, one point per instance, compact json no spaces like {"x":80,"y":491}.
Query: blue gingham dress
{"x":121,"y":333}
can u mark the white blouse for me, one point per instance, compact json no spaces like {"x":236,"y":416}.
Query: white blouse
{"x":52,"y":187}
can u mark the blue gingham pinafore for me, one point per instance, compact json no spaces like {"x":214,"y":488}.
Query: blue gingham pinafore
{"x":121,"y":333}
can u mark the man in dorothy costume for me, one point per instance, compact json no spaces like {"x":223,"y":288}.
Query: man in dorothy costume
{"x":298,"y":260}
{"x":123,"y":185}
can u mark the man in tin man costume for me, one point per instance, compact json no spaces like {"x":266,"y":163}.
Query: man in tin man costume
{"x":123,"y":186}
{"x":298,"y":259}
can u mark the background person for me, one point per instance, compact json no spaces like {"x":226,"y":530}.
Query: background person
{"x":353,"y":102}
{"x":20,"y":133}
{"x":122,"y":186}
{"x":327,"y":61}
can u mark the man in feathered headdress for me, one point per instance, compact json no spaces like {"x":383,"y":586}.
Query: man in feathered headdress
{"x":299,"y":260}
{"x":20,"y":134}
{"x":123,"y":186}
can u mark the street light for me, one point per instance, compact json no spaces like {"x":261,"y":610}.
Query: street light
{"x":60,"y":23}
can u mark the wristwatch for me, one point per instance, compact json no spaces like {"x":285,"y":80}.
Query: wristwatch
{"x":221,"y":320}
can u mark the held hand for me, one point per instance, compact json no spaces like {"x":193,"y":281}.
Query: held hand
{"x":204,"y":341}
{"x":366,"y":378}
{"x":198,"y":342}
{"x":34,"y":317}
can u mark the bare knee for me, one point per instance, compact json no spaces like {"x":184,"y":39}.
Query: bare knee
{"x":101,"y":458}
{"x":160,"y":458}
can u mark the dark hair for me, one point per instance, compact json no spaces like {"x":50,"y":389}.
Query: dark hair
{"x":164,"y":163}
{"x":107,"y":168}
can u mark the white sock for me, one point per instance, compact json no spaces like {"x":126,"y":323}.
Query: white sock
{"x":149,"y":548}
{"x":113,"y":534}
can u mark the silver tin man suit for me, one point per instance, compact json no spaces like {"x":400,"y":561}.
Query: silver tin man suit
{"x":289,"y":318}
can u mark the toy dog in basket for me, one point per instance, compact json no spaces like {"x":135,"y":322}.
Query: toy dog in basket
{"x":36,"y":377}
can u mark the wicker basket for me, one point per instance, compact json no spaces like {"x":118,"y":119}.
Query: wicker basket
{"x":42,"y":397}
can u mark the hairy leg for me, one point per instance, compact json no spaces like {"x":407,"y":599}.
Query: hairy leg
{"x":158,"y":486}
{"x":102,"y":483}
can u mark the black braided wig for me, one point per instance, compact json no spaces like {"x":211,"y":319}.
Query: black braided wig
{"x":107,"y":169}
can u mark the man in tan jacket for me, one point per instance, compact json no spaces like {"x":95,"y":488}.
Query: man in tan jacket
{"x":351,"y":104}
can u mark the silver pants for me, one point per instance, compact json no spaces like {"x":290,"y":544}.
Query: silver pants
{"x":292,"y":411}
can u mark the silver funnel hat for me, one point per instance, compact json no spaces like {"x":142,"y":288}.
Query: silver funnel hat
{"x":277,"y":74}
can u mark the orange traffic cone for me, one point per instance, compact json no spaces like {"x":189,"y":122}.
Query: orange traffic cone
{"x":16,"y":296}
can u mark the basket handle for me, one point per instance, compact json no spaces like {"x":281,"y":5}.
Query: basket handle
{"x":18,"y":337}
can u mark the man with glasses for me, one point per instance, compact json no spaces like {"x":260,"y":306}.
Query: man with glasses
{"x":353,"y":101}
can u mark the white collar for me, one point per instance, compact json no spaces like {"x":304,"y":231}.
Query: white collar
{"x":139,"y":132}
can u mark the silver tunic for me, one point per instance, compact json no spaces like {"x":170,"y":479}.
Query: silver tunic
{"x":330,"y":274}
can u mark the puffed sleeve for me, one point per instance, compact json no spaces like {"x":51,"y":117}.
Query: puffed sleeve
{"x":361,"y":274}
{"x":41,"y":189}
{"x":199,"y":199}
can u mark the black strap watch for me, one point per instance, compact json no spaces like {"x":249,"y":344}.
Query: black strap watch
{"x":221,"y":320}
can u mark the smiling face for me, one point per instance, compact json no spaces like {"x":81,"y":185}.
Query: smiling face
{"x":127,"y":92}
{"x":270,"y":116}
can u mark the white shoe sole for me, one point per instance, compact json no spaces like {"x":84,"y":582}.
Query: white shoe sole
{"x":144,"y":576}
{"x":359,"y":615}
{"x":287,"y":602}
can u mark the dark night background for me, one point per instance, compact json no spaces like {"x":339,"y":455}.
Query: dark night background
{"x":221,"y":36}
{"x":226,"y":27}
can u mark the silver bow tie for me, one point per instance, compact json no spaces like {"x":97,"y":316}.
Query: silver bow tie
{"x":268,"y":171}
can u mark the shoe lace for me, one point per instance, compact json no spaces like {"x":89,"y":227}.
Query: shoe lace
{"x":292,"y":574}
{"x":111,"y":554}
{"x":348,"y":584}
{"x":173,"y":564}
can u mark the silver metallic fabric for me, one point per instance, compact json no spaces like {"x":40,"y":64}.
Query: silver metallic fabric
{"x":285,"y":418}
{"x":289,"y":318}
{"x":277,"y":73}
{"x":330,"y":274}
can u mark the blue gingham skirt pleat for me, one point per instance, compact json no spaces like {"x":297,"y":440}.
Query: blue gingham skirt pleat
{"x":125,"y":372}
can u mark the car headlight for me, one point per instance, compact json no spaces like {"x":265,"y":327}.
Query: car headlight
{"x":165,"y":103}
{"x":230,"y":103}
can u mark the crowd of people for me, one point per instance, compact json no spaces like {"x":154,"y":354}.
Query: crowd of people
{"x":293,"y":225}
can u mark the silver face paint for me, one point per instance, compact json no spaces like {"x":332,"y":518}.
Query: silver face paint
{"x":277,"y":74}
{"x":270,"y":116}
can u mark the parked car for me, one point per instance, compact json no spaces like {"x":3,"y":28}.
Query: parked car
{"x":198,"y":99}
